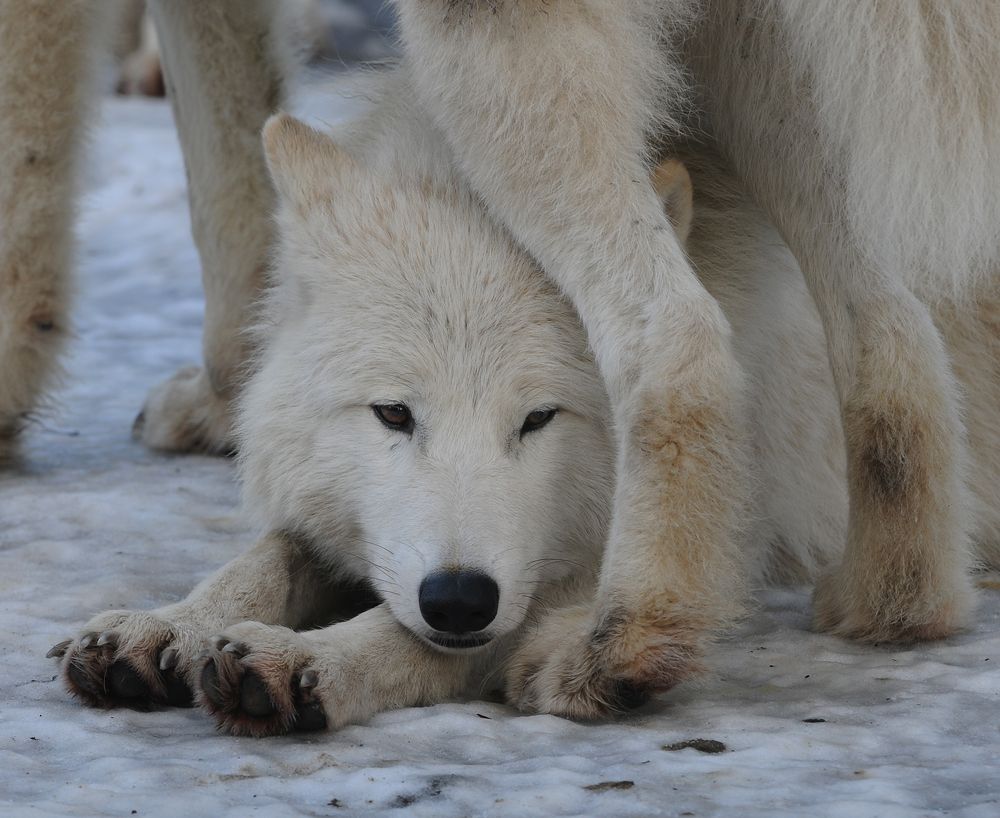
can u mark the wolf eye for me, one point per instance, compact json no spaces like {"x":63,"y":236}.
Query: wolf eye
{"x":394,"y":415}
{"x":537,"y":419}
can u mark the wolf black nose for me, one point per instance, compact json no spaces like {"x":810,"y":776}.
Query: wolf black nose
{"x":458,"y":601}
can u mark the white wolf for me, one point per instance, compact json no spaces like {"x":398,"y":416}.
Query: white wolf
{"x":869,"y":133}
{"x":426,"y":418}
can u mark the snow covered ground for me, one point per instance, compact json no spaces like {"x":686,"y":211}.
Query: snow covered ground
{"x":812,"y":726}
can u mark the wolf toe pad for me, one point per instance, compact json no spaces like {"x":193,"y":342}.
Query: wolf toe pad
{"x":253,"y":693}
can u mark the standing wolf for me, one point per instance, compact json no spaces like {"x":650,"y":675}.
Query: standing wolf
{"x":868,"y":132}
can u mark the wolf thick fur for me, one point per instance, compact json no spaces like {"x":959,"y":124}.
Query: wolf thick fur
{"x":39,"y":154}
{"x":392,"y":284}
{"x":47,"y":65}
{"x":870,"y":134}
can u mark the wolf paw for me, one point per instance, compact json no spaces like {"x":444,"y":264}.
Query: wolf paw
{"x":184,"y":414}
{"x":575,"y":669}
{"x":126,"y":659}
{"x":256,"y":681}
{"x":897,"y":612}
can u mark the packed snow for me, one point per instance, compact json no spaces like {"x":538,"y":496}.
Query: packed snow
{"x":811,"y":725}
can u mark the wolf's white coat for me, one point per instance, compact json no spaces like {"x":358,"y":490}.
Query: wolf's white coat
{"x":546,"y":106}
{"x":908,"y":732}
{"x":97,"y":511}
{"x":496,"y":80}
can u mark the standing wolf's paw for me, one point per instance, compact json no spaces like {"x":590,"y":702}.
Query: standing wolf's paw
{"x":184,"y":414}
{"x":257,"y":681}
{"x":901,"y":609}
{"x":573,"y":668}
{"x":129,"y":659}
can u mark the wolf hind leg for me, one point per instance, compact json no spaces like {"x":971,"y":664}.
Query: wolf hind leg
{"x":904,"y":571}
{"x":904,"y":574}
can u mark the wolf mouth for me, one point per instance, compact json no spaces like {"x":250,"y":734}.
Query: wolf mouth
{"x":458,"y":642}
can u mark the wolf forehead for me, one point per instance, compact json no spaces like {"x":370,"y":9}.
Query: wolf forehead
{"x":404,"y":276}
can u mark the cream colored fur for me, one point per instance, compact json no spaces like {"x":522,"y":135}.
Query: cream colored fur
{"x":45,"y":70}
{"x":39,"y":153}
{"x":391,"y":284}
{"x":547,"y":108}
{"x":868,"y":133}
{"x":882,"y":259}
{"x":138,"y":48}
{"x":925,"y":201}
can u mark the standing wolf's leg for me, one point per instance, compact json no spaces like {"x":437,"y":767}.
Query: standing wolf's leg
{"x":546,"y":106}
{"x":904,"y":570}
{"x":904,"y":573}
{"x":263,"y":680}
{"x":224,"y":73}
{"x":141,"y":657}
{"x":46,"y":51}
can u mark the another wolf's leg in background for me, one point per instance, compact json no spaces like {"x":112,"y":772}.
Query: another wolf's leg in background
{"x":46,"y":55}
{"x":225,"y":73}
{"x":904,"y":573}
{"x":263,"y":680}
{"x":546,"y":106}
{"x":136,"y":657}
{"x":138,"y":52}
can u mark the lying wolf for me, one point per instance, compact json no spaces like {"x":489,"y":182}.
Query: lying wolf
{"x":427,"y":420}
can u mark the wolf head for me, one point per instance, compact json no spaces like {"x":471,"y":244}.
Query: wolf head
{"x":425,"y":408}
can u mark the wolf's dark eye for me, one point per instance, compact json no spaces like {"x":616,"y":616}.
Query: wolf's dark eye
{"x":537,"y":419}
{"x":394,"y":415}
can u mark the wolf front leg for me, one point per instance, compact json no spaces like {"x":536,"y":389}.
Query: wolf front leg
{"x":141,"y":658}
{"x":262,"y":680}
{"x":546,"y":106}
{"x":224,"y":70}
{"x":46,"y":55}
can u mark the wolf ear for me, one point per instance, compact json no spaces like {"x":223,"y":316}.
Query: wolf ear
{"x":672,"y":184}
{"x":302,"y":160}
